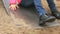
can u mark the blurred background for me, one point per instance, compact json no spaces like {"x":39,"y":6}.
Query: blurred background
{"x":10,"y":26}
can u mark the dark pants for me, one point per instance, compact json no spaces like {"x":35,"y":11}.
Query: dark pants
{"x":38,"y":5}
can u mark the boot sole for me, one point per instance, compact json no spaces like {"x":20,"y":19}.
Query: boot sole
{"x":50,"y":19}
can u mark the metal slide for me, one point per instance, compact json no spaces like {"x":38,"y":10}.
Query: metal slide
{"x":29,"y":15}
{"x":6,"y":4}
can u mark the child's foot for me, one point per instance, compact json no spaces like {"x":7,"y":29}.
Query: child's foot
{"x":56,"y":14}
{"x":46,"y":18}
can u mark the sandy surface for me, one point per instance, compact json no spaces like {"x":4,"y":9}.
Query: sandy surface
{"x":10,"y":26}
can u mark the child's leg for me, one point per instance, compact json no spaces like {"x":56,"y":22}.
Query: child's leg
{"x":53,"y":9}
{"x":39,"y":7}
{"x":51,"y":5}
{"x":43,"y":17}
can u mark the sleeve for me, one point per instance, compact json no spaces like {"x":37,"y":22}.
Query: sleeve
{"x":12,"y":1}
{"x":19,"y":1}
{"x":15,"y":1}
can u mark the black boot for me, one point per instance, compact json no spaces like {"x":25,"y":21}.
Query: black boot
{"x":56,"y":14}
{"x":46,"y":18}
